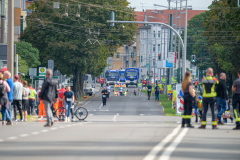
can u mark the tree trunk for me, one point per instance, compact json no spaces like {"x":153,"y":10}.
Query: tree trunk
{"x":78,"y":83}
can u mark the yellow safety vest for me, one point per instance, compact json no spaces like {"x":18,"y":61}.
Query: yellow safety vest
{"x":209,"y":83}
{"x":32,"y":95}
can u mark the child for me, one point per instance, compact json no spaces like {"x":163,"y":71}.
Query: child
{"x":199,"y":104}
{"x":134,"y":93}
{"x":228,"y":109}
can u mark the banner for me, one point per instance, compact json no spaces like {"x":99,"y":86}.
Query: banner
{"x":169,"y":87}
{"x":174,"y":79}
{"x":179,"y":101}
{"x":174,"y":99}
{"x":160,"y":86}
{"x":163,"y":80}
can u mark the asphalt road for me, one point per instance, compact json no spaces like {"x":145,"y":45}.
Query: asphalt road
{"x":128,"y":128}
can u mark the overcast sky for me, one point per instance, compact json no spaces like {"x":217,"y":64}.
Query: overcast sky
{"x":148,"y":4}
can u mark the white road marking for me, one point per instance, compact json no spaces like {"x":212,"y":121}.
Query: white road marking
{"x":104,"y":110}
{"x":153,"y":153}
{"x":68,"y":125}
{"x":115,"y":117}
{"x":54,"y":128}
{"x":44,"y":130}
{"x":11,"y":138}
{"x":24,"y":135}
{"x":35,"y":133}
{"x":100,"y":106}
{"x":170,"y":149}
{"x":1,"y":140}
{"x":62,"y":127}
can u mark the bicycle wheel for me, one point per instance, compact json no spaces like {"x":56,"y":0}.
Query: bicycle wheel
{"x":81,"y":113}
{"x":60,"y":113}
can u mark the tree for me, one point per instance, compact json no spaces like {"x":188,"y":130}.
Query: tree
{"x":72,"y":42}
{"x":23,"y":67}
{"x":28,"y":54}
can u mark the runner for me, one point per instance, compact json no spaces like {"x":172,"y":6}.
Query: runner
{"x":104,"y":96}
{"x":25,"y":103}
{"x":109,"y":90}
{"x":149,"y":87}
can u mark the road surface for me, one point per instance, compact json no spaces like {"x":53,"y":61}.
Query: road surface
{"x":128,"y":128}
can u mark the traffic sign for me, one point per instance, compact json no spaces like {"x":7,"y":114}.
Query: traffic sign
{"x":42,"y":71}
{"x":32,"y":71}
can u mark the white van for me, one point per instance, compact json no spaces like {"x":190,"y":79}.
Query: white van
{"x":89,"y":84}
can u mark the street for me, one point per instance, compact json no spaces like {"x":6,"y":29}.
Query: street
{"x":127,"y":128}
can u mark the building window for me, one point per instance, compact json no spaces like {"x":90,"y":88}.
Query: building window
{"x":158,"y":47}
{"x":159,"y":34}
{"x":154,"y":32}
{"x":154,"y":48}
{"x":118,"y":55}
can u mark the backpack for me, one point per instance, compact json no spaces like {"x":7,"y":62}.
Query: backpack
{"x":2,"y":89}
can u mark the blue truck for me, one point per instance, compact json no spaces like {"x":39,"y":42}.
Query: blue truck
{"x":132,"y":76}
{"x":122,"y":77}
{"x":112,"y":76}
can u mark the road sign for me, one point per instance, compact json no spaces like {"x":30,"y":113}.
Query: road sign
{"x":32,"y":71}
{"x":42,"y":71}
{"x":51,"y":64}
{"x":150,"y":73}
{"x":172,"y":56}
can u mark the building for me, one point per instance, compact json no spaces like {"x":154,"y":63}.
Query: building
{"x":150,"y":38}
{"x":20,"y":13}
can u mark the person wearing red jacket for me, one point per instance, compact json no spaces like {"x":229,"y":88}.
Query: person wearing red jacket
{"x":60,"y":95}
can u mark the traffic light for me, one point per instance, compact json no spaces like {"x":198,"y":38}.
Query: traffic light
{"x":132,"y":54}
{"x":112,"y":17}
{"x":193,"y":58}
{"x":159,"y":56}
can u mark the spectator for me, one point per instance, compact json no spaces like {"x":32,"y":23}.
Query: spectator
{"x":49,"y":94}
{"x":108,"y":87}
{"x":101,"y":81}
{"x":25,"y":102}
{"x":4,"y":88}
{"x":60,"y":96}
{"x":68,"y":101}
{"x":157,"y":93}
{"x":236,"y":101}
{"x":222,"y":97}
{"x":38,"y":99}
{"x":31,"y":100}
{"x":17,"y":98}
{"x":7,"y":76}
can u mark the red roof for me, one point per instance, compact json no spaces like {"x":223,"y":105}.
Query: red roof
{"x":191,"y":13}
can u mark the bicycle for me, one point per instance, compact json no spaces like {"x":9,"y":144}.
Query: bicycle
{"x":81,"y":113}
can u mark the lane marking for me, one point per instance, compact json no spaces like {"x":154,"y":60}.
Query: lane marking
{"x":104,"y":110}
{"x":153,"y":153}
{"x":54,"y":128}
{"x":115,"y":117}
{"x":24,"y":135}
{"x":11,"y":138}
{"x":170,"y":149}
{"x":44,"y":131}
{"x":68,"y":125}
{"x":62,"y":127}
{"x":100,"y":106}
{"x":35,"y":133}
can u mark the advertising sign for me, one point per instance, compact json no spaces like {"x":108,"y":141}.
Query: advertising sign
{"x":179,"y":101}
{"x":42,"y":71}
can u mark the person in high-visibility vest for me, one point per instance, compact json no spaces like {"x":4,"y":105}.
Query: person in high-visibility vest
{"x":236,"y":101}
{"x":209,"y":97}
{"x":189,"y":94}
{"x":31,"y":100}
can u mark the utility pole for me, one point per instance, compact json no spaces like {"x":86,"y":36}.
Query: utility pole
{"x":155,"y":56}
{"x":185,"y":44}
{"x":179,"y":47}
{"x":10,"y":44}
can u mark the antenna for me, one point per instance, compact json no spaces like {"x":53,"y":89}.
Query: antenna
{"x":142,"y":5}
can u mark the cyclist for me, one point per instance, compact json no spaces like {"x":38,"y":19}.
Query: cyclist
{"x":104,"y":96}
{"x":149,"y":87}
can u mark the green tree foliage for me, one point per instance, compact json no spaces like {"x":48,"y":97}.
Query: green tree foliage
{"x":72,"y":41}
{"x":222,"y":32}
{"x":28,"y":53}
{"x":23,"y":66}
